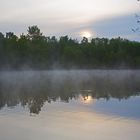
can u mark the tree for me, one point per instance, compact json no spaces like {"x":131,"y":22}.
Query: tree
{"x":40,"y":52}
{"x":137,"y":29}
{"x":1,"y":36}
{"x":10,"y":35}
{"x":84,"y":40}
{"x":34,"y":33}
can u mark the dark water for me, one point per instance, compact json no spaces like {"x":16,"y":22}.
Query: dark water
{"x":76,"y":104}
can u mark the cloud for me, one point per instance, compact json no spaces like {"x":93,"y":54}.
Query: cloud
{"x":117,"y":26}
{"x":103,"y":18}
{"x":113,"y":27}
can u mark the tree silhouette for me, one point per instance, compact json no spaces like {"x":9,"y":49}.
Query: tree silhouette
{"x":84,"y":40}
{"x":34,"y":32}
{"x":36,"y":51}
{"x":137,"y":29}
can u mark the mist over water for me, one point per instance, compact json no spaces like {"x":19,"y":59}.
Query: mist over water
{"x":34,"y":88}
{"x":70,"y":104}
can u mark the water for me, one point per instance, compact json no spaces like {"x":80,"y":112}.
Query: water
{"x":75,"y":104}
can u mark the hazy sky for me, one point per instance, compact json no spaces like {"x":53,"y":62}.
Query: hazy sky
{"x":103,"y":18}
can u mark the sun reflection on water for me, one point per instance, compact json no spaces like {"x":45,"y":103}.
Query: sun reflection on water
{"x":86,"y":99}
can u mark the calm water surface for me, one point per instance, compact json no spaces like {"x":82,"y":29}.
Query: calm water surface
{"x":75,"y":104}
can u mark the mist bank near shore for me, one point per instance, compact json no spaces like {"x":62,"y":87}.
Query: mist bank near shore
{"x":34,"y":88}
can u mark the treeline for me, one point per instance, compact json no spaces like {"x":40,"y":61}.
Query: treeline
{"x":36,"y":51}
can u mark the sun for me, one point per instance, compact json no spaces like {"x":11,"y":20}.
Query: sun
{"x":86,"y":34}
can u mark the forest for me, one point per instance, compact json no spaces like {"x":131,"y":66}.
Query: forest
{"x":38,"y":52}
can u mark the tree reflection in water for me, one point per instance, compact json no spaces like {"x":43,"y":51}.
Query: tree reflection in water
{"x":33,"y":89}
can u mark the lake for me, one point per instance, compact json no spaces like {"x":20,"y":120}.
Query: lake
{"x":70,"y":105}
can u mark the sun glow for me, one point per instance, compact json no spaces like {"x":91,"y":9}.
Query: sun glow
{"x":86,"y":34}
{"x":86,"y":99}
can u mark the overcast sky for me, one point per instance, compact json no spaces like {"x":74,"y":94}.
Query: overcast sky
{"x":100,"y":18}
